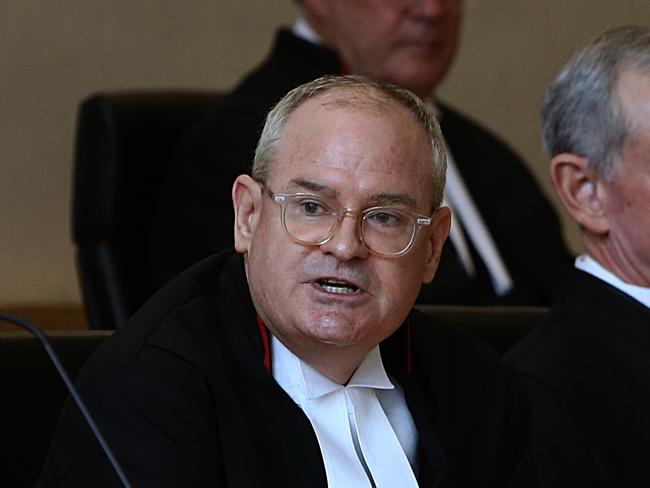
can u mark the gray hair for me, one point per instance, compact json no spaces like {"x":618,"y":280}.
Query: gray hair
{"x":581,"y":113}
{"x":359,"y":91}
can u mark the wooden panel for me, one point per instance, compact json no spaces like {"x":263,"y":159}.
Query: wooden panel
{"x":49,"y":317}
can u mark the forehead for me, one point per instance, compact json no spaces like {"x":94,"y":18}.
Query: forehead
{"x":632,"y":169}
{"x":633,"y":91}
{"x":361,"y":146}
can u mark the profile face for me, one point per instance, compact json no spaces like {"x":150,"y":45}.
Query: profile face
{"x":628,"y":194}
{"x":410,"y":44}
{"x":338,"y":294}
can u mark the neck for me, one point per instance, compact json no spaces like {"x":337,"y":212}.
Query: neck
{"x":614,"y":257}
{"x":336,"y":368}
{"x":338,"y":363}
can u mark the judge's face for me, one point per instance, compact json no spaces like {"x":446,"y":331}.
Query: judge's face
{"x":338,"y":294}
{"x":410,"y":43}
{"x":627,"y":196}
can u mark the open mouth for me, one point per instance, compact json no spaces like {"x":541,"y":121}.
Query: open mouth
{"x":336,"y":287}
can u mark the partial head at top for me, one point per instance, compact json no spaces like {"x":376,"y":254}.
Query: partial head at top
{"x":411,"y":43}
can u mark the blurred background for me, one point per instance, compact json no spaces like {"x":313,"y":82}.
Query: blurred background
{"x":55,"y":53}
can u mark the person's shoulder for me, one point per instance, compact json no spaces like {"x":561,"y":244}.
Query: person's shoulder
{"x":463,"y":365}
{"x":556,"y":352}
{"x":457,"y":126}
{"x":578,"y":330}
{"x":496,"y":176}
{"x":545,"y":353}
{"x":486,"y":162}
{"x":151,"y":386}
{"x":196,"y":283}
{"x":480,"y":403}
{"x":179,"y":319}
{"x":232,"y":125}
{"x":548,"y":340}
{"x":291,"y":62}
{"x":229,"y":130}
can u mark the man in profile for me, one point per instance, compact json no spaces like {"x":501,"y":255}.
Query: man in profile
{"x":501,"y":219}
{"x":299,"y":361}
{"x":588,"y":367}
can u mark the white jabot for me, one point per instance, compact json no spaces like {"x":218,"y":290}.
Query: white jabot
{"x":304,"y":31}
{"x":365,"y":431}
{"x":589,"y":265}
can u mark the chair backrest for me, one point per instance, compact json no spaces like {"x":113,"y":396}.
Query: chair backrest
{"x":32,"y":397}
{"x":500,"y":327}
{"x":124,"y":145}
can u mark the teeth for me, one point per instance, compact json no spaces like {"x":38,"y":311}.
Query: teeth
{"x":341,"y":290}
{"x":338,"y":287}
{"x":335,"y":282}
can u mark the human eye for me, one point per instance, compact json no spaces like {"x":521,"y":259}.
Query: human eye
{"x":386,"y":217}
{"x":311,"y":207}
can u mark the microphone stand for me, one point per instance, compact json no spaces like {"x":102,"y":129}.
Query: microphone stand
{"x":71,"y":388}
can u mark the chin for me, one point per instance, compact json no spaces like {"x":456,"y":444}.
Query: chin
{"x":421,"y":81}
{"x":423,"y":86}
{"x":335,"y":330}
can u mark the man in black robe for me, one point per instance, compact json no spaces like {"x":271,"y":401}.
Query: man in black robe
{"x":505,"y":244}
{"x":299,"y":361}
{"x":587,"y":367}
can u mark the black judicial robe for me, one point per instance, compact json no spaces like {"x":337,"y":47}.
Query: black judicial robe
{"x":587,"y":369}
{"x":194,"y":217}
{"x":185,"y":400}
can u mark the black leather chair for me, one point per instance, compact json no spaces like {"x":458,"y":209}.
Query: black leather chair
{"x":32,"y":398}
{"x":124,"y":144}
{"x":500,"y":327}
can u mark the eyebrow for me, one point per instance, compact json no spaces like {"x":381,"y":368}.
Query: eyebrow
{"x":312,"y":186}
{"x":393,"y":198}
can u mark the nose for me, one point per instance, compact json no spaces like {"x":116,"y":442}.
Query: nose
{"x":346,"y":243}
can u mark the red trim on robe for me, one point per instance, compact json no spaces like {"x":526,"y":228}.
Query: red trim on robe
{"x":264,"y":334}
{"x":409,"y":354}
{"x":345,"y":68}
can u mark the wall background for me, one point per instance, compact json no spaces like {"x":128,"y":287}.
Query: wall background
{"x":54,"y":53}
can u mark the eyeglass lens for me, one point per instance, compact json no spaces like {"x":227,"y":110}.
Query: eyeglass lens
{"x":384,"y":230}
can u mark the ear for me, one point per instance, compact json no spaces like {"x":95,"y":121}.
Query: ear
{"x":438,"y":232}
{"x":247,"y":201}
{"x":581,"y":190}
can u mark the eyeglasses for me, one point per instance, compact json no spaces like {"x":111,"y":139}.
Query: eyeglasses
{"x":312,"y":221}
